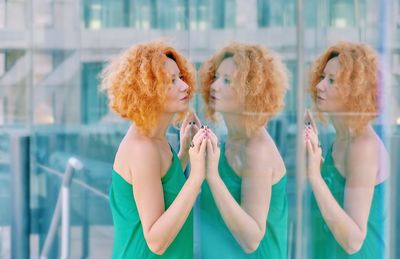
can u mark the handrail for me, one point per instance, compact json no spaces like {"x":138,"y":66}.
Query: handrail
{"x":75,"y":181}
{"x":62,"y":206}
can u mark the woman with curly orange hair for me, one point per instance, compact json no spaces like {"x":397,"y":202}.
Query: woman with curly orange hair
{"x":348,"y":205}
{"x":243,"y":203}
{"x":151,"y":201}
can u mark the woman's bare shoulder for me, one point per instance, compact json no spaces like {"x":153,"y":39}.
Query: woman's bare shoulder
{"x":368,"y":146}
{"x":133,"y":149}
{"x":263,"y":153}
{"x":369,"y":152}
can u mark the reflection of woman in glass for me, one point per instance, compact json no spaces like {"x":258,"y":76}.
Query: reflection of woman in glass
{"x":348,"y":205}
{"x":244,"y":204}
{"x":150,"y":198}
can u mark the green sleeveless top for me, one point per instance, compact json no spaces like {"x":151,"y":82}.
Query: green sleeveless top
{"x":129,"y":241}
{"x":323,"y":243}
{"x":216,"y":240}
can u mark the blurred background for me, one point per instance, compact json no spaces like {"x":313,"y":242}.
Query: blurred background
{"x":57,"y":133}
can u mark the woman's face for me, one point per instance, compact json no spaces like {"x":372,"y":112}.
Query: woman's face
{"x":177,"y":96}
{"x":223,"y":98}
{"x":328,"y":99}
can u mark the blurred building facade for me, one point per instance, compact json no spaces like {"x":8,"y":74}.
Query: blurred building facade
{"x":51,"y":52}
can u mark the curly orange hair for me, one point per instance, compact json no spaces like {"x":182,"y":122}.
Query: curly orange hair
{"x":137,"y":82}
{"x":356,"y":81}
{"x":260,"y":77}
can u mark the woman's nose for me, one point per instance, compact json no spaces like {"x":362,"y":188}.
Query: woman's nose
{"x":215,"y":86}
{"x":183,"y":85}
{"x":321,"y":86}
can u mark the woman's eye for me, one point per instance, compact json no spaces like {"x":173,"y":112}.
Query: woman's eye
{"x":173,"y":80}
{"x":227,"y":81}
{"x":331,"y":81}
{"x":321,"y":77}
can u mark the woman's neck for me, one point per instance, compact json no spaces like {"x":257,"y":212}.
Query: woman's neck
{"x":237,"y":132}
{"x":343,"y":131}
{"x":158,"y":132}
{"x":236,"y":127}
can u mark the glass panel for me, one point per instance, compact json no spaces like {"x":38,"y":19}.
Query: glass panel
{"x":199,"y":15}
{"x":339,"y":166}
{"x":144,"y":14}
{"x":15,"y":14}
{"x":103,"y":14}
{"x":342,"y":13}
{"x":94,"y":103}
{"x":15,"y":80}
{"x":51,"y":57}
{"x":15,"y":101}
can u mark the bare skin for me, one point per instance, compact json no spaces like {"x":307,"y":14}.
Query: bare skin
{"x":362,"y":160}
{"x":247,"y":156}
{"x":143,"y":160}
{"x":189,"y":128}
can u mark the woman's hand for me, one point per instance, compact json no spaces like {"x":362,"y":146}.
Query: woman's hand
{"x":212,"y":157}
{"x":197,"y":153}
{"x":190,"y":126}
{"x":313,"y":147}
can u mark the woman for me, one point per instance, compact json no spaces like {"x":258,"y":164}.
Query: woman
{"x":348,"y":204}
{"x":151,"y":201}
{"x":244,"y":204}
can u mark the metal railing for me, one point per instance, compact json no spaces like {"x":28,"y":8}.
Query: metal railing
{"x":63,"y":208}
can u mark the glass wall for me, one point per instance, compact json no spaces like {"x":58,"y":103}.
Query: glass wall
{"x":52,"y":52}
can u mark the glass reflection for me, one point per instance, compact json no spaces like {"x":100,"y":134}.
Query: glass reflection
{"x":243,"y":203}
{"x":348,"y":208}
